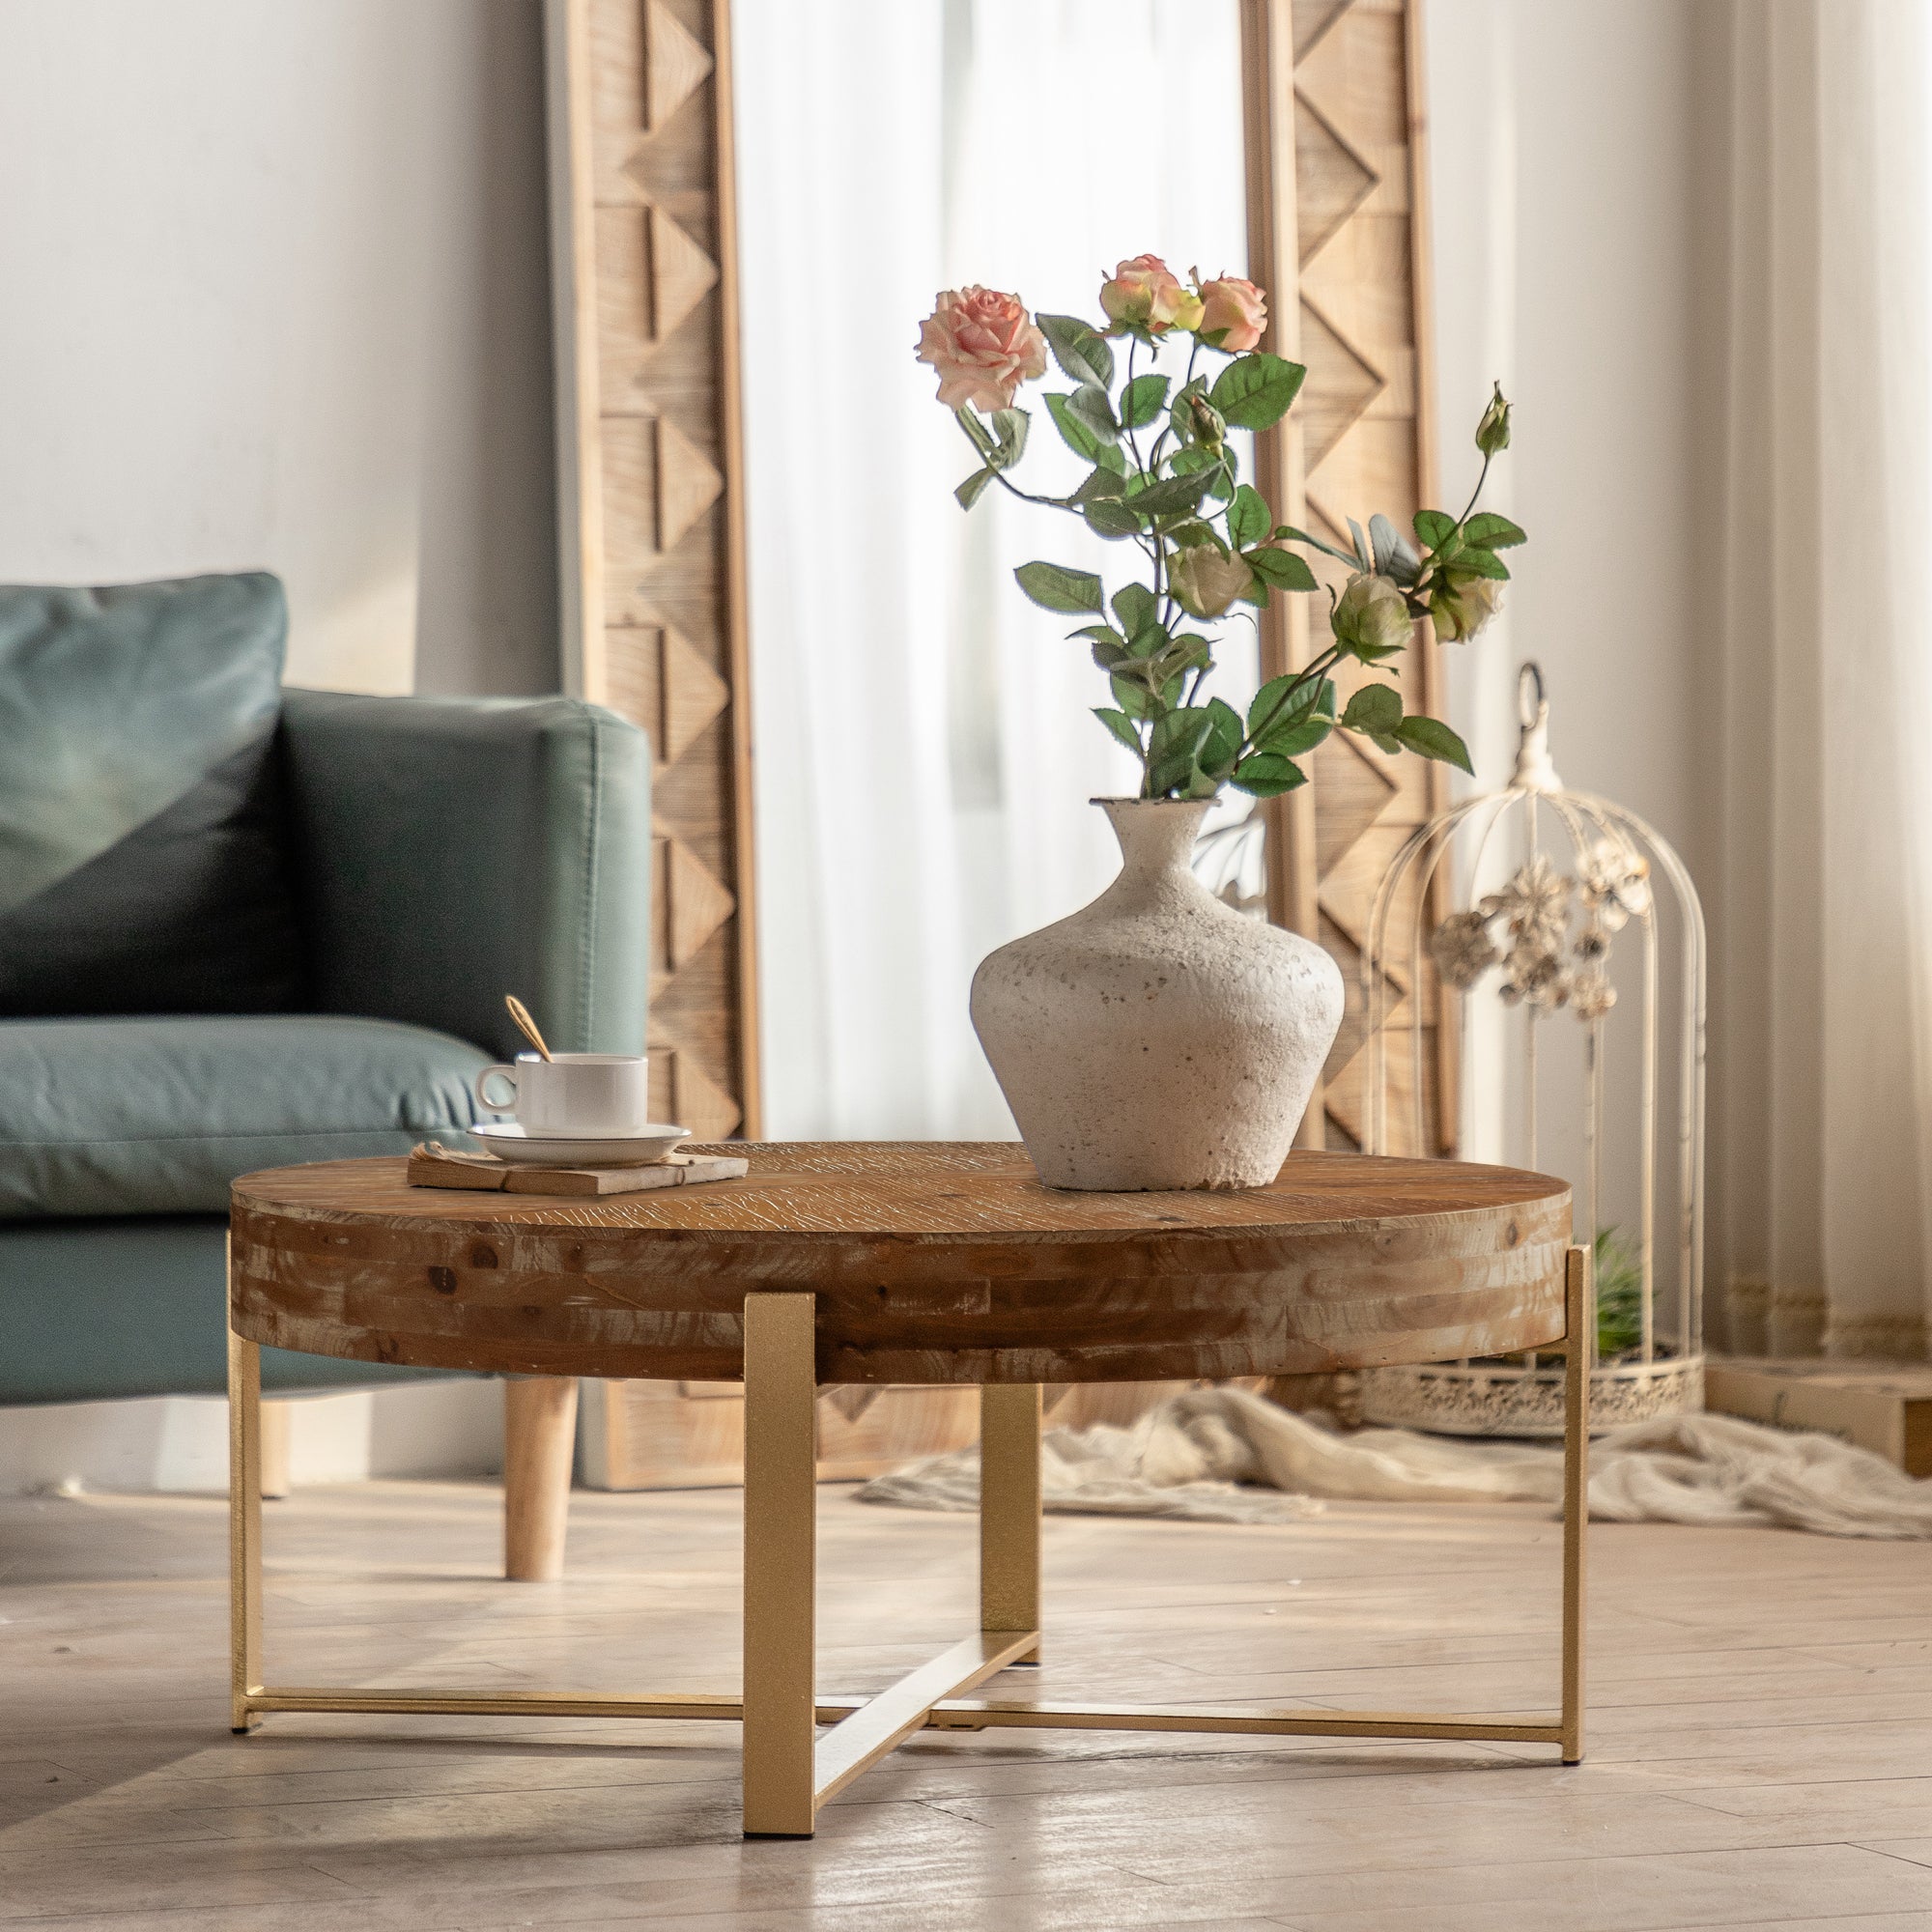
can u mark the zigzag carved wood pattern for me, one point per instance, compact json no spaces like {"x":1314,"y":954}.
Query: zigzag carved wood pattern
{"x":1365,"y":443}
{"x":666,"y":645}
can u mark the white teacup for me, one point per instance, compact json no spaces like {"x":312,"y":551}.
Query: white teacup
{"x":573,"y":1094}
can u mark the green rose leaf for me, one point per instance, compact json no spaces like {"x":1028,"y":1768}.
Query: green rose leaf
{"x":1273,"y":705}
{"x":1489,"y":532}
{"x":1375,"y":708}
{"x":1433,"y":739}
{"x":1193,"y":533}
{"x":1092,"y":407}
{"x":1075,"y":433}
{"x":1134,"y":605}
{"x":1149,"y":640}
{"x":1111,"y":456}
{"x":1280,"y":567}
{"x":1143,"y":400}
{"x":1171,"y":495}
{"x":1055,"y":588}
{"x":1434,"y":526}
{"x":1176,"y":738}
{"x":1292,"y":740}
{"x":1111,"y":518}
{"x":1255,"y":391}
{"x":1264,"y":775}
{"x":1133,"y":699}
{"x":1109,"y":648}
{"x":1248,"y":517}
{"x":974,"y":488}
{"x":1289,"y":721}
{"x":1481,"y":564}
{"x":982,"y":438}
{"x":1222,"y":743}
{"x":1080,"y":349}
{"x":1100,"y":482}
{"x":1012,"y":426}
{"x":1120,"y":725}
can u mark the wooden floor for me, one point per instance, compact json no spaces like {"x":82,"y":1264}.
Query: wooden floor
{"x":1761,"y":1744}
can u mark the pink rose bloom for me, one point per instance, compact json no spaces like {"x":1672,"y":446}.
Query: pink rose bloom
{"x":984,"y":345}
{"x":1148,"y":294}
{"x":1234,"y":314}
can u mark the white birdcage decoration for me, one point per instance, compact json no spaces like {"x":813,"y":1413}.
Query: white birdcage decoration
{"x":1587,"y":878}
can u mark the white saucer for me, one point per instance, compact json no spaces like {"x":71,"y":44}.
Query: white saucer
{"x":512,"y":1140}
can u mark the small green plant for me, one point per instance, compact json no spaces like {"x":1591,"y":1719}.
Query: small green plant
{"x":1618,"y":1273}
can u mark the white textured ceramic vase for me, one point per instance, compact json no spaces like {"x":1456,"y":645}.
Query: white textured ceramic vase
{"x":1157,"y":1037}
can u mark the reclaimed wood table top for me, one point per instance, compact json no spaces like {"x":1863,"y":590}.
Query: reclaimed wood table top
{"x":933,"y":1262}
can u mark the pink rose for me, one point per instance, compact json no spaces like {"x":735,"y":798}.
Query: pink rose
{"x":984,"y":345}
{"x":1145,"y":292}
{"x":1234,"y":314}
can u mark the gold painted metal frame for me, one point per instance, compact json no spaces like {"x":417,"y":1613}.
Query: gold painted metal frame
{"x":790,"y":1770}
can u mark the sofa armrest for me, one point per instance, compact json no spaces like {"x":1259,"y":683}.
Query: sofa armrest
{"x":455,"y":849}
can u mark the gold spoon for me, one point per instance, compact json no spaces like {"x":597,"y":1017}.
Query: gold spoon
{"x":527,"y":1026}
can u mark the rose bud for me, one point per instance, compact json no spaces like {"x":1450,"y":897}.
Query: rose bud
{"x":1493,"y":432}
{"x":1463,"y":605}
{"x":1145,"y":292}
{"x":1210,"y":426}
{"x":1371,"y":614}
{"x":1204,"y":582}
{"x":1234,"y":313}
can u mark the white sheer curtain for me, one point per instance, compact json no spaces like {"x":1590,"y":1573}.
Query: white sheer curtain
{"x":1822,"y":1139}
{"x":924,"y":747}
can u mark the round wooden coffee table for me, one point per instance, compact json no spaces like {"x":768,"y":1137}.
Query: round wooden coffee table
{"x":922,"y":1262}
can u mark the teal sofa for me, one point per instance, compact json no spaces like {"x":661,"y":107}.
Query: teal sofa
{"x":242,"y":927}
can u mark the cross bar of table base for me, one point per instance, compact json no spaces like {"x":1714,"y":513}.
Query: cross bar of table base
{"x":947,"y":1713}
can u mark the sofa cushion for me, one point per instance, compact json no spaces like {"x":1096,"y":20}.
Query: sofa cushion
{"x":143,"y":855}
{"x":158,"y":1115}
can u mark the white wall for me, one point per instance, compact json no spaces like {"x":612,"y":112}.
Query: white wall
{"x":1573,"y":185}
{"x":275,"y":292}
{"x":1567,"y":214}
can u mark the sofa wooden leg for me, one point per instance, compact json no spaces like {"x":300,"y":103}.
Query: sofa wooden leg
{"x":275,"y":1423}
{"x":539,"y":1448}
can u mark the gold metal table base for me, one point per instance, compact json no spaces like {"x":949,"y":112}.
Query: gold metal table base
{"x":791,"y":1767}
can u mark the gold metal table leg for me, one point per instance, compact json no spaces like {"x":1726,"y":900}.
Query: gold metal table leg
{"x":780,"y":1544}
{"x":1580,"y":1324}
{"x":1009,"y":1415}
{"x":244,"y":1529}
{"x":789,"y":1770}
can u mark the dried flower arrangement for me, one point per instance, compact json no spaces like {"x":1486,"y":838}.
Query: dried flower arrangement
{"x":1544,"y":966}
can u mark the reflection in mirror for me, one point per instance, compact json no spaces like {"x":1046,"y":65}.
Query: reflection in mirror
{"x":925,"y":743}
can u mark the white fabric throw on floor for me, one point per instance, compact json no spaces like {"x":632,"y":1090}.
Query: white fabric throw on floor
{"x":1226,"y":1456}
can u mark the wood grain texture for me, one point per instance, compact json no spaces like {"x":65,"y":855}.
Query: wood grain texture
{"x":1337,"y":182}
{"x":933,"y":1262}
{"x":539,"y":1445}
{"x":653,"y":518}
{"x":1761,"y":1711}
